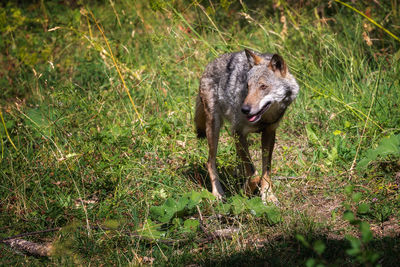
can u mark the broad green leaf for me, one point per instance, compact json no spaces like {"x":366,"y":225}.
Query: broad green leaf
{"x":256,"y":206}
{"x":366,"y":233}
{"x":311,"y":135}
{"x":355,"y":245}
{"x":374,"y":257}
{"x":205,"y":194}
{"x":273,"y":214}
{"x":387,"y":146}
{"x":356,"y":196}
{"x":354,"y":242}
{"x":319,"y":247}
{"x":170,"y":203}
{"x":42,"y":119}
{"x":223,"y":208}
{"x":182,"y":203}
{"x":348,"y":189}
{"x":165,"y":212}
{"x":195,"y":198}
{"x":238,"y":204}
{"x":151,"y":230}
{"x":311,"y":262}
{"x":191,"y":225}
{"x":157,"y":212}
{"x":363,"y":208}
{"x":348,"y":216}
{"x":302,"y":240}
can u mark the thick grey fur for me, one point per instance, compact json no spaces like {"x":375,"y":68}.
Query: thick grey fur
{"x":252,"y":91}
{"x":225,"y":81}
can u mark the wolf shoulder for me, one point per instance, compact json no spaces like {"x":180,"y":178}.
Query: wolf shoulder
{"x":235,"y":63}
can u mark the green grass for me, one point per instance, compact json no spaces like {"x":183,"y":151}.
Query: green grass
{"x":84,"y":156}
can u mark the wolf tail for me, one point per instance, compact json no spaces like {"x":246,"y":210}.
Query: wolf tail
{"x":200,"y":119}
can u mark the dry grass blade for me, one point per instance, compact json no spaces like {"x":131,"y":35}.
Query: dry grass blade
{"x":193,"y":30}
{"x":117,"y":68}
{"x":8,"y":136}
{"x":212,"y":22}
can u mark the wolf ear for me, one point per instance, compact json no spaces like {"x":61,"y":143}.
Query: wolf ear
{"x":278,"y":66}
{"x":252,"y":58}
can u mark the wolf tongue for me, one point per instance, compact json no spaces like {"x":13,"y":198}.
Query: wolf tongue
{"x":252,"y":118}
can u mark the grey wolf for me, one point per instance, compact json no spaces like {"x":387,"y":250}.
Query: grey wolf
{"x":252,"y":91}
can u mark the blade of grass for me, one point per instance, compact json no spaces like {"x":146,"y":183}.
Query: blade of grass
{"x":115,"y":13}
{"x":212,"y":22}
{"x":365,"y":124}
{"x":117,"y":68}
{"x":2,"y":147}
{"x":193,"y":30}
{"x":369,"y":19}
{"x":358,"y":113}
{"x":8,"y":136}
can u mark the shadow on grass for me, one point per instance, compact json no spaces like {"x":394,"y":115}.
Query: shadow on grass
{"x":231,"y":180}
{"x":290,"y":252}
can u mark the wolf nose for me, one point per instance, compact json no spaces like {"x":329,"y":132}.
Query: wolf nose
{"x":246,"y":109}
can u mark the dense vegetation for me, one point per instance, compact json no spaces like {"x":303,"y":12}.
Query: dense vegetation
{"x":97,"y":133}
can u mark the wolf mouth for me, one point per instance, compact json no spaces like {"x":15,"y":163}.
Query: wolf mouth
{"x":256,"y":117}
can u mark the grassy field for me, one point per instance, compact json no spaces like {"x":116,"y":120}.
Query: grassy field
{"x":97,"y":134}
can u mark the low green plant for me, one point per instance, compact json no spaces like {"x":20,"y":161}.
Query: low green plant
{"x":177,"y":215}
{"x":318,"y":247}
{"x":359,"y":246}
{"x":387,"y":147}
{"x":359,"y":249}
{"x":178,"y":208}
{"x":238,"y":204}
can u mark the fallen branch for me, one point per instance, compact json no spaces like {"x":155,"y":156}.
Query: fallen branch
{"x":35,"y":249}
{"x":287,"y":177}
{"x":225,"y":233}
{"x":28,"y":247}
{"x":30,"y":234}
{"x":45,"y":250}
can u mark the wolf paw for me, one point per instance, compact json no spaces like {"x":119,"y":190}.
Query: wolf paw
{"x":251,"y":185}
{"x":219,"y":194}
{"x":269,"y":197}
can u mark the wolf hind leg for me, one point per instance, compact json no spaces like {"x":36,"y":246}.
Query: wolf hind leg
{"x":200,"y":118}
{"x":251,"y":184}
{"x":213,"y":125}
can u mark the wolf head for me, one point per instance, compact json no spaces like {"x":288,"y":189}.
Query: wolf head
{"x":270,"y":86}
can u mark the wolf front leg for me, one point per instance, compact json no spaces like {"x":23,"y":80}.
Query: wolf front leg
{"x":268,"y":142}
{"x":242,"y":149}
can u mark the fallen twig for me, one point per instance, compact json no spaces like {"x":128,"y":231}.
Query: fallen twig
{"x":287,"y":177}
{"x":29,"y":247}
{"x":39,"y":249}
{"x":30,"y":234}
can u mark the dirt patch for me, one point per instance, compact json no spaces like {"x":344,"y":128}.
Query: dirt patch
{"x":389,"y":228}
